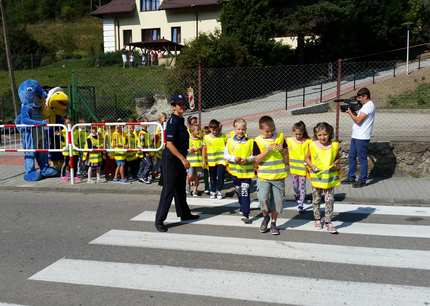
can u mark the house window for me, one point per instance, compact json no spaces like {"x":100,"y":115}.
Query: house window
{"x":149,"y":5}
{"x":127,"y":37}
{"x":150,"y":34}
{"x":176,"y":35}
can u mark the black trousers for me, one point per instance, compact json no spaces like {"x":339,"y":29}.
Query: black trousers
{"x":174,"y":186}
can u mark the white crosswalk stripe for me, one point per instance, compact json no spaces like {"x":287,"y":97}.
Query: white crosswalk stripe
{"x":278,"y":249}
{"x":6,"y":304}
{"x":220,"y":283}
{"x":258,"y":287}
{"x":371,"y":229}
{"x":367,"y":209}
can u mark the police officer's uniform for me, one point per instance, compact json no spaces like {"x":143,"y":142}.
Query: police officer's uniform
{"x":174,"y":172}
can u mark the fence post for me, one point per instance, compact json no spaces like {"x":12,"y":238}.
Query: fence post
{"x":354,"y":80}
{"x":304,"y":96}
{"x":338,"y":91}
{"x":32,"y":61}
{"x":199,"y":80}
{"x":321,"y":92}
{"x":373,"y":76}
{"x":394,"y":70}
{"x":286,"y":98}
{"x":71,"y":157}
{"x":419,"y":61}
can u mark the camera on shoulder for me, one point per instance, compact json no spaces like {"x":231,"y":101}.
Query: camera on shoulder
{"x":352,"y":103}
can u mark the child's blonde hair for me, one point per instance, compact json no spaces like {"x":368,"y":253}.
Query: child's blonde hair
{"x":195,"y":129}
{"x":240,"y":121}
{"x":325,"y":127}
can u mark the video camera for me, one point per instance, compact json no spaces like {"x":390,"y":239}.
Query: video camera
{"x":352,"y":103}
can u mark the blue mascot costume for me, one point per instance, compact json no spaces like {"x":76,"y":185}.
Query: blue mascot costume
{"x":32,"y":96}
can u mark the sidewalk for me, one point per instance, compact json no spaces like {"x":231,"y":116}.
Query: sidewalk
{"x":396,"y":190}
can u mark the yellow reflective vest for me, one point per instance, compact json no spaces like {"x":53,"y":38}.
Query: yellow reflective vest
{"x":297,"y":153}
{"x":273,"y":166}
{"x":323,"y":159}
{"x":118,"y":141}
{"x":63,"y":142}
{"x":215,"y":146}
{"x":243,"y":150}
{"x":95,"y":143}
{"x":132,"y":143}
{"x":195,"y":158}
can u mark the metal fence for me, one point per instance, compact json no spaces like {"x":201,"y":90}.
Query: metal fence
{"x":283,"y":92}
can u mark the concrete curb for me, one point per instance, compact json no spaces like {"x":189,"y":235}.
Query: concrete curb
{"x":153,"y":191}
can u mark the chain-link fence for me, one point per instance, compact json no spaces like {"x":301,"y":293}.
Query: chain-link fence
{"x":287,"y":93}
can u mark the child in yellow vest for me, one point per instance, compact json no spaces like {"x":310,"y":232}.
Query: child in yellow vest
{"x":270,"y":157}
{"x":118,"y":142}
{"x":213,"y":151}
{"x":323,"y":163}
{"x":240,"y":164}
{"x":298,"y":146}
{"x":80,"y":142}
{"x":94,"y":157}
{"x":195,"y":159}
{"x":206,"y":131}
{"x":131,"y":157}
{"x":68,"y":160}
{"x":145,"y":166}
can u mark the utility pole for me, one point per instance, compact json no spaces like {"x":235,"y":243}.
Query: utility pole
{"x":8,"y":59}
{"x":407,"y":25}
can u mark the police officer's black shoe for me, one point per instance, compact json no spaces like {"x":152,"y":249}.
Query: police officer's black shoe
{"x":359,"y":184}
{"x":190,"y":217}
{"x":348,"y":181}
{"x":161,"y":228}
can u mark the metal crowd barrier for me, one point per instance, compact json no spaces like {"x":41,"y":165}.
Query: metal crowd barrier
{"x":46,"y":137}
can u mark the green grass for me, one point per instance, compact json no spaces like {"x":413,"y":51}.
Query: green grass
{"x":420,"y":98}
{"x":115,"y":88}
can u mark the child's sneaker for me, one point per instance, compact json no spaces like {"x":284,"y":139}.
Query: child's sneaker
{"x":300,"y":208}
{"x":274,"y":229}
{"x":318,"y":224}
{"x":219,"y":195}
{"x":195,"y":194}
{"x":264,"y":224}
{"x":64,"y":179}
{"x":90,"y":181}
{"x":77,"y":179}
{"x":147,"y":181}
{"x":115,"y":180}
{"x":331,"y":228}
{"x":207,"y":192}
{"x":100,"y":180}
{"x":212,"y":195}
{"x":246,"y":220}
{"x":123,"y":181}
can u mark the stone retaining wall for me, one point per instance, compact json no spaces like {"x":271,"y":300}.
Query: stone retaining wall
{"x":388,"y":159}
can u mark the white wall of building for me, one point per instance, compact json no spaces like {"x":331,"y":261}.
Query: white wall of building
{"x":208,"y":21}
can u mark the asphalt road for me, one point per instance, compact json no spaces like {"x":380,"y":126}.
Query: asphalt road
{"x":64,"y":242}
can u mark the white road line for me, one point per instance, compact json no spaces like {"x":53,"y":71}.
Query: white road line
{"x":224,"y":284}
{"x":392,"y":258}
{"x":407,"y":211}
{"x":6,"y":304}
{"x":359,"y":228}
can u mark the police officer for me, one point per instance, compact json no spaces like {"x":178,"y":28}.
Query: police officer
{"x":174,"y":165}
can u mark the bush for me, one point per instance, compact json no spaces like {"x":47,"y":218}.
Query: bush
{"x":420,"y":98}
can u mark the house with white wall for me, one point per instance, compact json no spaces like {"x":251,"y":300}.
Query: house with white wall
{"x":180,"y":21}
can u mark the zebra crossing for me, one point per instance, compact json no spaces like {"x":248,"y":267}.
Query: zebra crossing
{"x":223,"y":283}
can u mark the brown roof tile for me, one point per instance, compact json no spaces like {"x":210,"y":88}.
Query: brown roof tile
{"x":176,"y":4}
{"x":115,"y":7}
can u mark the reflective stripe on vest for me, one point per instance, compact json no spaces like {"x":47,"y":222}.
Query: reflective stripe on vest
{"x":323,"y":159}
{"x":195,"y":159}
{"x":297,"y":153}
{"x":242,"y":150}
{"x":215,"y":149}
{"x":272,"y":167}
{"x":95,"y":157}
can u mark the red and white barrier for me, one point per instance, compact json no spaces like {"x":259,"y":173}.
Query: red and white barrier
{"x":108,"y":132}
{"x":46,"y":137}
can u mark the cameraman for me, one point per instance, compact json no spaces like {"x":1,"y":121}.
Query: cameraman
{"x":362,"y":129}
